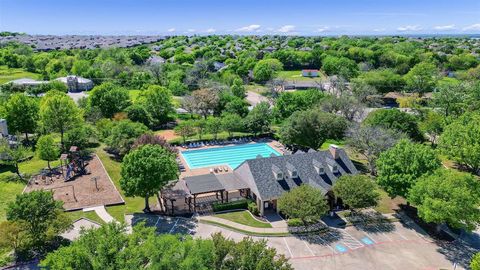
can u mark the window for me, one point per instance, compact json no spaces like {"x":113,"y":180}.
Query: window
{"x":279,"y":176}
{"x":293,"y":174}
{"x":321,"y":170}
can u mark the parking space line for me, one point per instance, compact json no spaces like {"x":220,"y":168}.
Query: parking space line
{"x":230,"y":234}
{"x":401,"y":235}
{"x":157,"y":221}
{"x":309,"y":249}
{"x":288,"y":248}
{"x":174,"y":225}
{"x":327,"y":245}
{"x":351,"y":241}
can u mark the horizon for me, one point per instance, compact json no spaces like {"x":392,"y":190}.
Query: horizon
{"x":211,"y":17}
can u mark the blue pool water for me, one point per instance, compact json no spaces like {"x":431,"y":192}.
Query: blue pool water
{"x":230,"y":155}
{"x":367,"y":241}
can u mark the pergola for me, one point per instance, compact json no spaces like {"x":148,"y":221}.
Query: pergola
{"x":220,"y":184}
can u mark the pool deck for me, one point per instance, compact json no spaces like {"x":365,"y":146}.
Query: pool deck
{"x":192,"y":172}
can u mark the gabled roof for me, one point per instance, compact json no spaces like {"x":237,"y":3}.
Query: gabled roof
{"x":257,"y":173}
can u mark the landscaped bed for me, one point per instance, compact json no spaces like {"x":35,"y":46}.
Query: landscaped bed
{"x":245,"y":218}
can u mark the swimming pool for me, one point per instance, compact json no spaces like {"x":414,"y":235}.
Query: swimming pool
{"x":231,"y":155}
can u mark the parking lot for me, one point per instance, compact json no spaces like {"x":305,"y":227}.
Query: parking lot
{"x":396,"y":246}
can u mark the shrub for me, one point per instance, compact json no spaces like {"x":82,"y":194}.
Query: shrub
{"x":295,"y":222}
{"x":242,"y":204}
{"x":252,"y":207}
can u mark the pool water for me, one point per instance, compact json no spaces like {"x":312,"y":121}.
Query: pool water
{"x":229,"y":155}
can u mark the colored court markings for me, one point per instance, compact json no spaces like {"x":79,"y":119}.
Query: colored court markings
{"x":367,"y":241}
{"x":340,"y":248}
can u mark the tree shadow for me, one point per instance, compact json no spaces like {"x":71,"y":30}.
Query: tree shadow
{"x":326,"y":237}
{"x":166,"y":224}
{"x":458,"y":252}
{"x":371,"y":222}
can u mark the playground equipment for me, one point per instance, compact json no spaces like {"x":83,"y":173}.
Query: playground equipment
{"x":74,"y":163}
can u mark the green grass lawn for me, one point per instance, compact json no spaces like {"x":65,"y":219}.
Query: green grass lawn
{"x":296,"y":75}
{"x":132,"y":204}
{"x":8,"y":192}
{"x":245,"y":218}
{"x":74,"y":215}
{"x":387,"y":205}
{"x":9,"y":74}
{"x":327,"y":143}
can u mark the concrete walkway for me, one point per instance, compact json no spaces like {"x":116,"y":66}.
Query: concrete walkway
{"x":102,"y":213}
{"x":276,"y":220}
{"x":243,"y":227}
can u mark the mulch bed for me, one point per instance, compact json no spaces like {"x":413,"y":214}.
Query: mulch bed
{"x":81,"y":192}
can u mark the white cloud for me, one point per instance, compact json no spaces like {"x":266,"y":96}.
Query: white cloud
{"x":323,"y":29}
{"x":409,"y":28}
{"x":445,"y":27}
{"x":475,"y":27}
{"x":171,"y":30}
{"x":249,"y":28}
{"x":286,"y":29}
{"x":211,"y":30}
{"x":191,"y":30}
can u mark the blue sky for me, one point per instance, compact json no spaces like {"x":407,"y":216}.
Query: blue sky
{"x":307,"y":17}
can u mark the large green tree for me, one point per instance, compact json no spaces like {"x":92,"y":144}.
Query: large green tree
{"x":448,"y":196}
{"x":259,"y":119}
{"x":21,"y":114}
{"x":304,"y":202}
{"x":157,"y":101}
{"x":401,"y":166}
{"x":461,"y":141}
{"x":41,"y":214}
{"x":266,"y":69}
{"x":122,"y":135}
{"x":47,"y":149}
{"x":312,"y":128}
{"x":356,"y":191}
{"x":395,"y":119}
{"x":109,"y":98}
{"x":232,"y":123}
{"x":341,"y":66}
{"x":146,"y":170}
{"x":186,"y":129}
{"x":59,"y":113}
{"x":422,"y":77}
{"x":475,"y":263}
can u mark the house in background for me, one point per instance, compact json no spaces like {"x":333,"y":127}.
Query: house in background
{"x":268,"y":178}
{"x":310,"y":73}
{"x":27,"y":82}
{"x":76,"y":83}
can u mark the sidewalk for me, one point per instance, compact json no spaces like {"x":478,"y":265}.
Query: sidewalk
{"x":101,"y":212}
{"x":242,"y":227}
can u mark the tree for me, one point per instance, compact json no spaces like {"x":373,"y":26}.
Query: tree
{"x":111,"y":247}
{"x":110,"y":98}
{"x":346,"y":105}
{"x":422,"y":77}
{"x":200,"y":127}
{"x":371,"y":141}
{"x":81,"y":136}
{"x":157,"y":101}
{"x":237,"y":106}
{"x":41,"y":214}
{"x":138,"y":113}
{"x":153,"y":139}
{"x":12,"y":155}
{"x":232,"y":123}
{"x":214,"y":126}
{"x":304,"y":202}
{"x":432,"y":125}
{"x":356,"y":191}
{"x":266,"y":69}
{"x":475,"y":263}
{"x":47,"y":149}
{"x":395,"y":119}
{"x":384,"y":80}
{"x":341,"y":66}
{"x":14,"y":236}
{"x":246,"y":254}
{"x":146,"y":170}
{"x":205,"y":101}
{"x":238,"y":89}
{"x":449,"y":98}
{"x":21,"y":114}
{"x":448,"y":196}
{"x":185,"y":129}
{"x":312,"y":128}
{"x":402,"y":165}
{"x":123,"y":134}
{"x":461,"y":141}
{"x":58,"y":112}
{"x":259,"y":119}
{"x":290,"y":102}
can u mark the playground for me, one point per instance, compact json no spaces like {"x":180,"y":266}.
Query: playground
{"x":79,"y":184}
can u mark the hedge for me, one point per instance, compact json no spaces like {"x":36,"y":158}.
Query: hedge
{"x":241,"y":204}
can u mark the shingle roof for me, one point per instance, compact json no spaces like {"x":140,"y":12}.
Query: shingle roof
{"x":203,"y":183}
{"x":258,"y":175}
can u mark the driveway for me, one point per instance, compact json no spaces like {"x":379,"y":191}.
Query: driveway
{"x":254,"y":98}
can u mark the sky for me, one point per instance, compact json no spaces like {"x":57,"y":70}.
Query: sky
{"x":262,"y":17}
